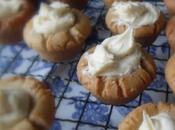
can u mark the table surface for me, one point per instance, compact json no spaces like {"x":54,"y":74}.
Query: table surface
{"x":75,"y":107}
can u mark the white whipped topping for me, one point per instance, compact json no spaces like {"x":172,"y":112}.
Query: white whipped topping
{"x":14,"y":106}
{"x":116,"y":56}
{"x":9,"y":7}
{"x":161,"y":121}
{"x":135,"y":14}
{"x":54,"y":17}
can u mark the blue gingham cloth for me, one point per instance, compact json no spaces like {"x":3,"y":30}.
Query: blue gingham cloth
{"x":76,"y":108}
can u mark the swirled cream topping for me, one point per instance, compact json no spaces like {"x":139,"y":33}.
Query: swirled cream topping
{"x":9,"y":7}
{"x":15,"y":105}
{"x":161,"y":121}
{"x":54,"y":17}
{"x":116,"y":56}
{"x":135,"y":14}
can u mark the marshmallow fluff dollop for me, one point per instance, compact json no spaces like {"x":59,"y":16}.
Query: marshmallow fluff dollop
{"x":115,"y":56}
{"x":52,"y":18}
{"x":161,"y":121}
{"x":9,"y":7}
{"x":135,"y":14}
{"x":15,"y":105}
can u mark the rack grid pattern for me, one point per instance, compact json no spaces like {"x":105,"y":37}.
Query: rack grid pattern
{"x":75,"y":107}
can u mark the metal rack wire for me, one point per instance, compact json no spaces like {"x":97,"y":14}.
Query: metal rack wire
{"x":75,"y":107}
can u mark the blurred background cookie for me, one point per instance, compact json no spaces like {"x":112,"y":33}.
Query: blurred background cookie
{"x":57,"y":32}
{"x":146,"y":19}
{"x":150,"y":116}
{"x":171,"y":6}
{"x":170,"y":72}
{"x":170,"y":32}
{"x":25,"y":104}
{"x":13,"y":16}
{"x":108,"y":3}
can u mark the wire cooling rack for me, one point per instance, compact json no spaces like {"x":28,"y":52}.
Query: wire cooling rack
{"x":75,"y":107}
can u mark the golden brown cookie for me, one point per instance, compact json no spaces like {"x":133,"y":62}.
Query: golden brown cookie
{"x":170,"y":32}
{"x":171,"y":6}
{"x":108,"y":3}
{"x":63,"y":44}
{"x":117,"y":90}
{"x":11,"y":28}
{"x":79,"y":4}
{"x":170,"y":72}
{"x":25,"y":104}
{"x":145,"y":35}
{"x":134,"y":119}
